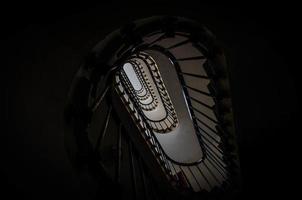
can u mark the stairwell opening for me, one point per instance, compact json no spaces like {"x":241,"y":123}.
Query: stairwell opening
{"x":187,"y":132}
{"x":143,"y":83}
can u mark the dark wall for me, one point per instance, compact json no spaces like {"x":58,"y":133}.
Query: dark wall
{"x":44,"y":44}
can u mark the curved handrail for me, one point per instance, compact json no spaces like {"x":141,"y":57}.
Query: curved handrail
{"x":170,"y":114}
{"x":156,"y":140}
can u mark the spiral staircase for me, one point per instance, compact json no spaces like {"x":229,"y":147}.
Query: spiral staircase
{"x":150,"y":113}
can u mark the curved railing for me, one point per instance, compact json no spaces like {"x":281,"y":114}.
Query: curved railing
{"x":148,"y":106}
{"x":169,"y":121}
{"x":128,"y":45}
{"x":209,"y":136}
{"x":144,"y":81}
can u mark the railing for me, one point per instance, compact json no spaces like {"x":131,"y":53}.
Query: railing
{"x":169,"y":121}
{"x":148,"y":106}
{"x":138,"y":116}
{"x":213,"y":170}
{"x":208,"y":135}
{"x":177,"y":173}
{"x":122,"y":147}
{"x":144,"y":81}
{"x":207,"y":128}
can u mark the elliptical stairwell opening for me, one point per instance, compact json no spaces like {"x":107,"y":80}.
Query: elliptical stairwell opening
{"x":152,"y":108}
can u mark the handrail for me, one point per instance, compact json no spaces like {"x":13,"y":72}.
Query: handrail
{"x":142,"y":81}
{"x":170,"y":120}
{"x":139,"y":73}
{"x":211,"y":157}
{"x":154,"y":137}
{"x":112,"y":53}
{"x":132,"y":94}
{"x":155,"y":73}
{"x":145,"y":125}
{"x":130,"y":87}
{"x":177,"y":67}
